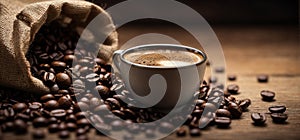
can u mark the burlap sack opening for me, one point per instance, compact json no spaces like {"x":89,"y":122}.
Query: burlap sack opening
{"x":20,"y":20}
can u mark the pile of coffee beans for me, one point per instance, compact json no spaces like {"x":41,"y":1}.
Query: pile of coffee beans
{"x":72,"y":106}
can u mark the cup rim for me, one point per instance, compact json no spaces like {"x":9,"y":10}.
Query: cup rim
{"x":163,"y":45}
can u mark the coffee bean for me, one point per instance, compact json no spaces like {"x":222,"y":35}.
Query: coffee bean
{"x":223,"y":113}
{"x":47,"y":97}
{"x":262,"y":78}
{"x":69,"y":59}
{"x":103,"y":91}
{"x":62,"y":126}
{"x":35,"y":106}
{"x":267,"y":95}
{"x":8,"y":126}
{"x":231,"y":77}
{"x":63,"y":80}
{"x":20,"y":107}
{"x":181,"y":132}
{"x":149,"y":133}
{"x":71,"y":126}
{"x":244,"y":104}
{"x":52,"y":120}
{"x":22,"y":117}
{"x":38,"y":134}
{"x":51,"y":104}
{"x":80,"y":106}
{"x":117,"y":125}
{"x":166,"y":127}
{"x":279,"y":117}
{"x":213,"y":79}
{"x":82,"y":122}
{"x":20,"y":127}
{"x":235,"y":110}
{"x":82,"y":137}
{"x":113,"y":103}
{"x":233,"y":89}
{"x":58,"y":66}
{"x":64,"y":134}
{"x":277,"y":109}
{"x":195,"y":132}
{"x":222,"y":122}
{"x":58,"y":113}
{"x":258,"y":118}
{"x":80,"y":131}
{"x":93,"y":77}
{"x":40,"y":122}
{"x":219,"y":69}
{"x":52,"y":128}
{"x":49,"y":79}
{"x":64,"y":102}
{"x":63,"y":92}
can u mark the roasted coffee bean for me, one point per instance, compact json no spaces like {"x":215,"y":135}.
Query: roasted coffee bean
{"x":51,"y":104}
{"x":58,"y":66}
{"x":54,"y":89}
{"x":82,"y":122}
{"x":94,"y":101}
{"x":20,"y":127}
{"x":267,"y":95}
{"x":195,"y":132}
{"x":52,"y":120}
{"x":62,"y":126}
{"x":213,"y":79}
{"x":222,"y":122}
{"x":223,"y":113}
{"x":102,"y":129}
{"x":103,"y":91}
{"x":20,"y":107}
{"x":80,"y":131}
{"x":69,"y":59}
{"x":262,"y":78}
{"x":181,"y":132}
{"x":258,"y":118}
{"x":63,"y":80}
{"x":49,"y":79}
{"x":231,"y":77}
{"x":80,"y":115}
{"x":45,"y":66}
{"x":35,"y":106}
{"x":117,"y":125}
{"x":58,"y":113}
{"x":63,"y":92}
{"x":279,"y":117}
{"x":80,"y":106}
{"x":52,"y":128}
{"x":40,"y":122}
{"x":38,"y":134}
{"x":166,"y":127}
{"x":129,"y":114}
{"x":71,"y":126}
{"x":71,"y":118}
{"x":233,"y":89}
{"x":149,"y":133}
{"x":210,"y":107}
{"x":113,"y":103}
{"x":8,"y":126}
{"x":277,"y":109}
{"x":64,"y":102}
{"x":64,"y":134}
{"x":133,"y":128}
{"x":219,"y":69}
{"x":235,"y":110}
{"x":93,"y":77}
{"x":22,"y":117}
{"x":82,"y":137}
{"x":47,"y":97}
{"x":119,"y":114}
{"x":244,"y":104}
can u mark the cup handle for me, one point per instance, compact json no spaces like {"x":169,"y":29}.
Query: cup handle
{"x":116,"y":59}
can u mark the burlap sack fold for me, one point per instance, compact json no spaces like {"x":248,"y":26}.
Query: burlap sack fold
{"x":20,"y":20}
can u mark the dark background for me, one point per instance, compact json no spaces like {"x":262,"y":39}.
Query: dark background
{"x":238,"y":11}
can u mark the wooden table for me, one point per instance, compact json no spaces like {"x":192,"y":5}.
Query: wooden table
{"x":249,"y":51}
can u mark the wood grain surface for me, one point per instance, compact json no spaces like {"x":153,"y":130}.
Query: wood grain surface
{"x":249,"y":51}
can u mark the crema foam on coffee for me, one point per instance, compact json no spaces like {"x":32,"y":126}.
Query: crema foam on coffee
{"x":167,"y":58}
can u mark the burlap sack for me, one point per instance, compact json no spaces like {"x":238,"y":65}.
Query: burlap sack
{"x":20,"y":20}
